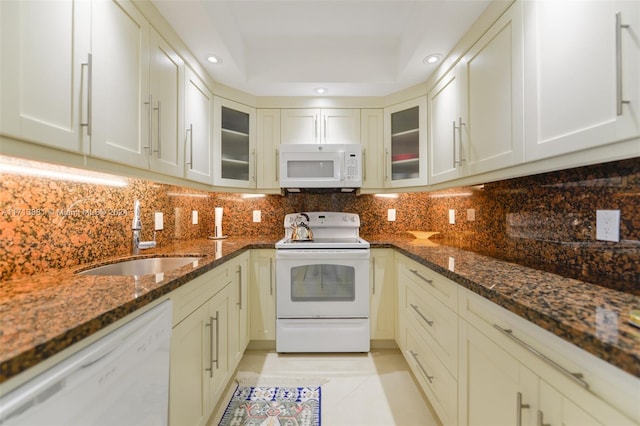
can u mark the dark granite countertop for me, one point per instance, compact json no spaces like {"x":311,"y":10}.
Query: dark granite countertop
{"x":43,"y":314}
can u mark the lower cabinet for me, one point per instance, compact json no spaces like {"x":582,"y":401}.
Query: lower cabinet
{"x":210,"y":334}
{"x":382,"y":294}
{"x":262,"y":288}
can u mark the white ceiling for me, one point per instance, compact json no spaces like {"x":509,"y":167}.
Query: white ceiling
{"x":351,"y":47}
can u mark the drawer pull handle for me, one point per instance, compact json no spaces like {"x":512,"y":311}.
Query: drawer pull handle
{"x":415,"y":357}
{"x":415,"y":308}
{"x":427,"y":280}
{"x":575,"y":377}
{"x":519,"y":407}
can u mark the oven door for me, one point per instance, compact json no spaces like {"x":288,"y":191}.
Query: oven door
{"x":322,"y":283}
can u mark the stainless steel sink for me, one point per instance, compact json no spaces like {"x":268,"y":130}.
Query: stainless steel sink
{"x":152,"y":265}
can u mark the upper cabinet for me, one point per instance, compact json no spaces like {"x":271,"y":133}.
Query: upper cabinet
{"x":405,"y":144}
{"x":43,"y":89}
{"x":372,"y":134}
{"x":234,"y":144}
{"x":582,"y":86}
{"x":475,"y":110}
{"x":320,"y":126}
{"x":198,"y":132}
{"x":267,"y":151}
{"x":120,"y":103}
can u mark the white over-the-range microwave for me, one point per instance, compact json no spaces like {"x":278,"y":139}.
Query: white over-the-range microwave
{"x":316,"y":166}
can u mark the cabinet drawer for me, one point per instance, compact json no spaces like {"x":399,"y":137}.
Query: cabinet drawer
{"x":437,"y":323}
{"x":434,"y":378}
{"x":443,"y":289}
{"x":190,"y":296}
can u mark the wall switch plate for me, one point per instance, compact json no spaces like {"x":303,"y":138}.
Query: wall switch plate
{"x":194,"y":217}
{"x":159,"y":221}
{"x":608,"y":225}
{"x":391,"y":215}
{"x":452,"y":264}
{"x":471,"y":215}
{"x":257,"y":216}
{"x":452,"y":216}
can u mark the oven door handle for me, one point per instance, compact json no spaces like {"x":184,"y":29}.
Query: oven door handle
{"x":322,"y":253}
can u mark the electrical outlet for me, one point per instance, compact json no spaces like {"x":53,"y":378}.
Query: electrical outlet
{"x":391,"y":215}
{"x":159,"y":221}
{"x":452,"y":217}
{"x":257,"y":216}
{"x":194,"y":217}
{"x":471,"y":215}
{"x":608,"y":225}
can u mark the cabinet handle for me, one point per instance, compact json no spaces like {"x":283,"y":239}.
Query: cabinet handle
{"x":459,"y":127}
{"x":239,"y":271}
{"x":277,"y":165}
{"x":150,"y":105}
{"x":427,"y":280}
{"x":190,"y":131}
{"x":364,"y":165}
{"x":415,"y":308}
{"x":253,"y":160}
{"x":159,"y":109}
{"x":575,"y":377}
{"x":519,"y":407}
{"x":619,"y":99}
{"x":387,"y":164}
{"x":415,"y":357}
{"x":315,"y":128}
{"x":324,"y":131}
{"x":373,"y":273}
{"x":89,"y":65}
{"x":211,"y":359}
{"x":270,"y":277}
{"x":540,"y":421}
{"x":453,"y":132}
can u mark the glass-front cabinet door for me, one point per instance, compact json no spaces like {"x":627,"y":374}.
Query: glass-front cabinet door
{"x":234,"y":144}
{"x":405,"y":144}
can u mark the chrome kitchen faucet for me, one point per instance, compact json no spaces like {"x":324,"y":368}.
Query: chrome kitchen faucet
{"x":137,"y":227}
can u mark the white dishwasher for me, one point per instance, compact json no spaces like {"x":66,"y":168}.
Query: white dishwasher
{"x":121,"y":379}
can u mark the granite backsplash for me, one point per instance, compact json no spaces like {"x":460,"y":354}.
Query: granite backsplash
{"x":545,"y":221}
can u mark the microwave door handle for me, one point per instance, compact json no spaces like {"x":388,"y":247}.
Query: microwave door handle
{"x":342,"y":165}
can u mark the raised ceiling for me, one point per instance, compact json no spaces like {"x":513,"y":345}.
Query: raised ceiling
{"x":350,"y":47}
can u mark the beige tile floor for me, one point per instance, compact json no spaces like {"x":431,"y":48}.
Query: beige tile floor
{"x":372,"y":389}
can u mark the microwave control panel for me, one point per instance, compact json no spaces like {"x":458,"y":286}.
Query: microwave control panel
{"x":351,"y":166}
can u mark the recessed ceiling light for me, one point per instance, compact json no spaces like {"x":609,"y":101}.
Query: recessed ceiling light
{"x":214,"y":59}
{"x":432,"y":59}
{"x":320,"y":91}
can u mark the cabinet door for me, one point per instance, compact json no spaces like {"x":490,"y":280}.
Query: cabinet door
{"x":382,"y":295}
{"x":372,"y":137}
{"x":120,"y":103}
{"x":44,"y":48}
{"x":217,"y":345}
{"x":491,"y":123}
{"x":198,"y":105}
{"x":239,"y":324}
{"x":167,"y":118}
{"x":267,"y":151}
{"x":489,"y":381}
{"x":445,"y":146}
{"x":556,"y":409}
{"x":263,"y":295}
{"x":340,"y":126}
{"x":300,"y":125}
{"x":573,"y":75}
{"x":405,"y":144}
{"x":233,"y":144}
{"x":188,"y":403}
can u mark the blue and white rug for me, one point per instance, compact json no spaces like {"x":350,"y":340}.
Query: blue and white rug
{"x":272,"y":405}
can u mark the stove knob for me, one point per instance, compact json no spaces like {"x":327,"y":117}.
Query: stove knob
{"x":345,"y":218}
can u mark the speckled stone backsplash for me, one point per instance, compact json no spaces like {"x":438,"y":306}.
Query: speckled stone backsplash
{"x":545,"y":221}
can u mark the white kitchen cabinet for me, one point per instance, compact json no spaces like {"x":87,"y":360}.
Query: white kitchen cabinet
{"x":372,"y":139}
{"x":43,"y":89}
{"x":234,"y":146}
{"x":405,"y":144}
{"x":267,"y":149}
{"x":239,"y":309}
{"x":263,"y":295}
{"x":476,"y":109}
{"x":579,"y":76}
{"x":200,"y":367}
{"x":307,"y":125}
{"x":502,"y":355}
{"x":198,"y":133}
{"x":119,"y":94}
{"x":166,"y":91}
{"x":382,"y":300}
